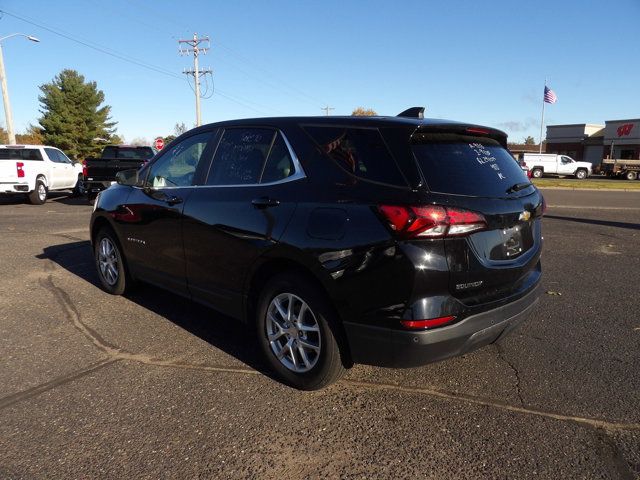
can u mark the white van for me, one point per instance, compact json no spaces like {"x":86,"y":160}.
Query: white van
{"x":553,"y":164}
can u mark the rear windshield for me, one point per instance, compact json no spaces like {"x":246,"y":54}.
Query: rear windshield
{"x":360,"y":152}
{"x":20,"y":154}
{"x":128,"y":153}
{"x":464,"y":165}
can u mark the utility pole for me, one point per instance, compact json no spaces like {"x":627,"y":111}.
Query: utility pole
{"x":5,"y":89}
{"x":195,"y":49}
{"x":326,"y":110}
{"x":7,"y":103}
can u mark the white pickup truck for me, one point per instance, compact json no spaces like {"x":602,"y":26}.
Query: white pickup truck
{"x":553,"y":164}
{"x":35,"y":170}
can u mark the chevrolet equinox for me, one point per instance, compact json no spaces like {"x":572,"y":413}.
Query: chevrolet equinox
{"x":390,"y":241}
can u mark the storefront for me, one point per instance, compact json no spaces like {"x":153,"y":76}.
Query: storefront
{"x":580,"y":141}
{"x":623,"y":136}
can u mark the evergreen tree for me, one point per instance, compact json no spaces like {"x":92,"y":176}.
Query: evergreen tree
{"x":72,"y":115}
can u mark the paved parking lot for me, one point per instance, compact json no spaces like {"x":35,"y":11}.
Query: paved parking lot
{"x":154,"y":386}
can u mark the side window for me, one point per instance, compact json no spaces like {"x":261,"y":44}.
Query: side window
{"x":279,"y":163}
{"x":240,"y":157}
{"x":53,"y":155}
{"x":63,"y":158}
{"x":177,"y":167}
{"x":359,"y":151}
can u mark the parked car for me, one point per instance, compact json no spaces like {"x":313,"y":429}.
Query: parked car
{"x":392,"y":241}
{"x":100,"y":173}
{"x":35,"y":170}
{"x":553,"y":164}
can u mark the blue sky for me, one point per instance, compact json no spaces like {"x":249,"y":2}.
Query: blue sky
{"x":482,"y":62}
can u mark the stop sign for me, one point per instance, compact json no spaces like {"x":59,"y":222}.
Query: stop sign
{"x":158,"y":143}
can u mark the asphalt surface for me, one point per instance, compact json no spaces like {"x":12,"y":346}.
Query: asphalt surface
{"x":154,"y":386}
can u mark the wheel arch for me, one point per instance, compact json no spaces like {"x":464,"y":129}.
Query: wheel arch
{"x":270,"y":267}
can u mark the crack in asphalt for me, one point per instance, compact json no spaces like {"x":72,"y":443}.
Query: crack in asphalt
{"x":116,"y":354}
{"x":56,"y":382}
{"x":503,"y":357}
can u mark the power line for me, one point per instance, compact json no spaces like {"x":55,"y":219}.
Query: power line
{"x":326,"y":109}
{"x":195,"y":49}
{"x":284,"y":85}
{"x":125,"y":58}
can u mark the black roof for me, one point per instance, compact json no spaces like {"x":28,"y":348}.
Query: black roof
{"x":363,"y":121}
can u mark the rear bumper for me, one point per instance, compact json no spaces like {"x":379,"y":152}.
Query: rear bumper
{"x":96,"y":186}
{"x":15,"y":187}
{"x":401,"y":348}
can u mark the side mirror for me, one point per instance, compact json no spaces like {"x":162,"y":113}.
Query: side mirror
{"x":127,"y":177}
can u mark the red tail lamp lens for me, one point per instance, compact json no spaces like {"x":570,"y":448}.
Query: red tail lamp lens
{"x":432,"y":221}
{"x":84,"y":168}
{"x":478,"y":130}
{"x":19,"y":169}
{"x":428,"y":323}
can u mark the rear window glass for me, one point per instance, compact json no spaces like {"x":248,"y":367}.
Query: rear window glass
{"x":20,"y":154}
{"x":128,"y":153}
{"x":359,"y":151}
{"x":464,"y":165}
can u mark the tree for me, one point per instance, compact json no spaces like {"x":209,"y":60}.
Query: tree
{"x":73,"y":115}
{"x":31,"y":136}
{"x":529,"y":140}
{"x":140,"y":142}
{"x":362,"y":112}
{"x":4,"y":136}
{"x":179,"y":129}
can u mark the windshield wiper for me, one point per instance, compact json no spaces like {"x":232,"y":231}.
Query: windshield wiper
{"x":518,"y":186}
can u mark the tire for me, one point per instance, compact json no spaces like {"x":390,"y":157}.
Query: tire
{"x":631,"y":175}
{"x":536,"y":173}
{"x":39,"y":194}
{"x":110,"y":263}
{"x":318,"y":360}
{"x":79,"y":189}
{"x":581,"y":174}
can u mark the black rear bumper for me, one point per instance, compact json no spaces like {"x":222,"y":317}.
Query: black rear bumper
{"x":387,"y":347}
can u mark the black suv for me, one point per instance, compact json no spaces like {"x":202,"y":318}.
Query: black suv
{"x":392,"y":241}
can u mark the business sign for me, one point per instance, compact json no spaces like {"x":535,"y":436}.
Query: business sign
{"x":624,"y":130}
{"x":158,"y":143}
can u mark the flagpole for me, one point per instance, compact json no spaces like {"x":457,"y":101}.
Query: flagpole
{"x":542,"y":118}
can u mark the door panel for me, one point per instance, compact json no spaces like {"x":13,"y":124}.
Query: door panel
{"x":151,"y":220}
{"x":151,"y":227}
{"x":252,"y":188}
{"x":224,"y":234}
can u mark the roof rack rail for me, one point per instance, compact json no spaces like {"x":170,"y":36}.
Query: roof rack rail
{"x":413,"y":112}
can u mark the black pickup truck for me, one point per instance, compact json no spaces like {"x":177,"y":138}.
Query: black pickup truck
{"x":99,"y":173}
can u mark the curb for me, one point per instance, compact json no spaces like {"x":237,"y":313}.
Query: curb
{"x":591,"y":189}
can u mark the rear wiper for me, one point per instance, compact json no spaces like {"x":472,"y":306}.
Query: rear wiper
{"x":518,"y":186}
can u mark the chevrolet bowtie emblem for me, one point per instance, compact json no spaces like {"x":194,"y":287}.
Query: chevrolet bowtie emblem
{"x":525,"y":216}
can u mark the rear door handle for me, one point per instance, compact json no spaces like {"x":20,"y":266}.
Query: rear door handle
{"x":265,"y":202}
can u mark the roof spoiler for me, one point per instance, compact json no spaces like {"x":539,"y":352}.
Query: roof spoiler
{"x":413,"y":112}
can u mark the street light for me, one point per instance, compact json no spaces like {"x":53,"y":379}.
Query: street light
{"x":5,"y":91}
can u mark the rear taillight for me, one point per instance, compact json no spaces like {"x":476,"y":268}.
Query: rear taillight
{"x":428,"y":323}
{"x":84,"y":168}
{"x":432,"y":221}
{"x":19,"y":169}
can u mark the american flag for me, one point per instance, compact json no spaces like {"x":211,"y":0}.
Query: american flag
{"x":549,"y":95}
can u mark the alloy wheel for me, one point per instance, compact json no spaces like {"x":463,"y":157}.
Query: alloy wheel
{"x":42,"y":192}
{"x":293,"y":332}
{"x":108,"y":261}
